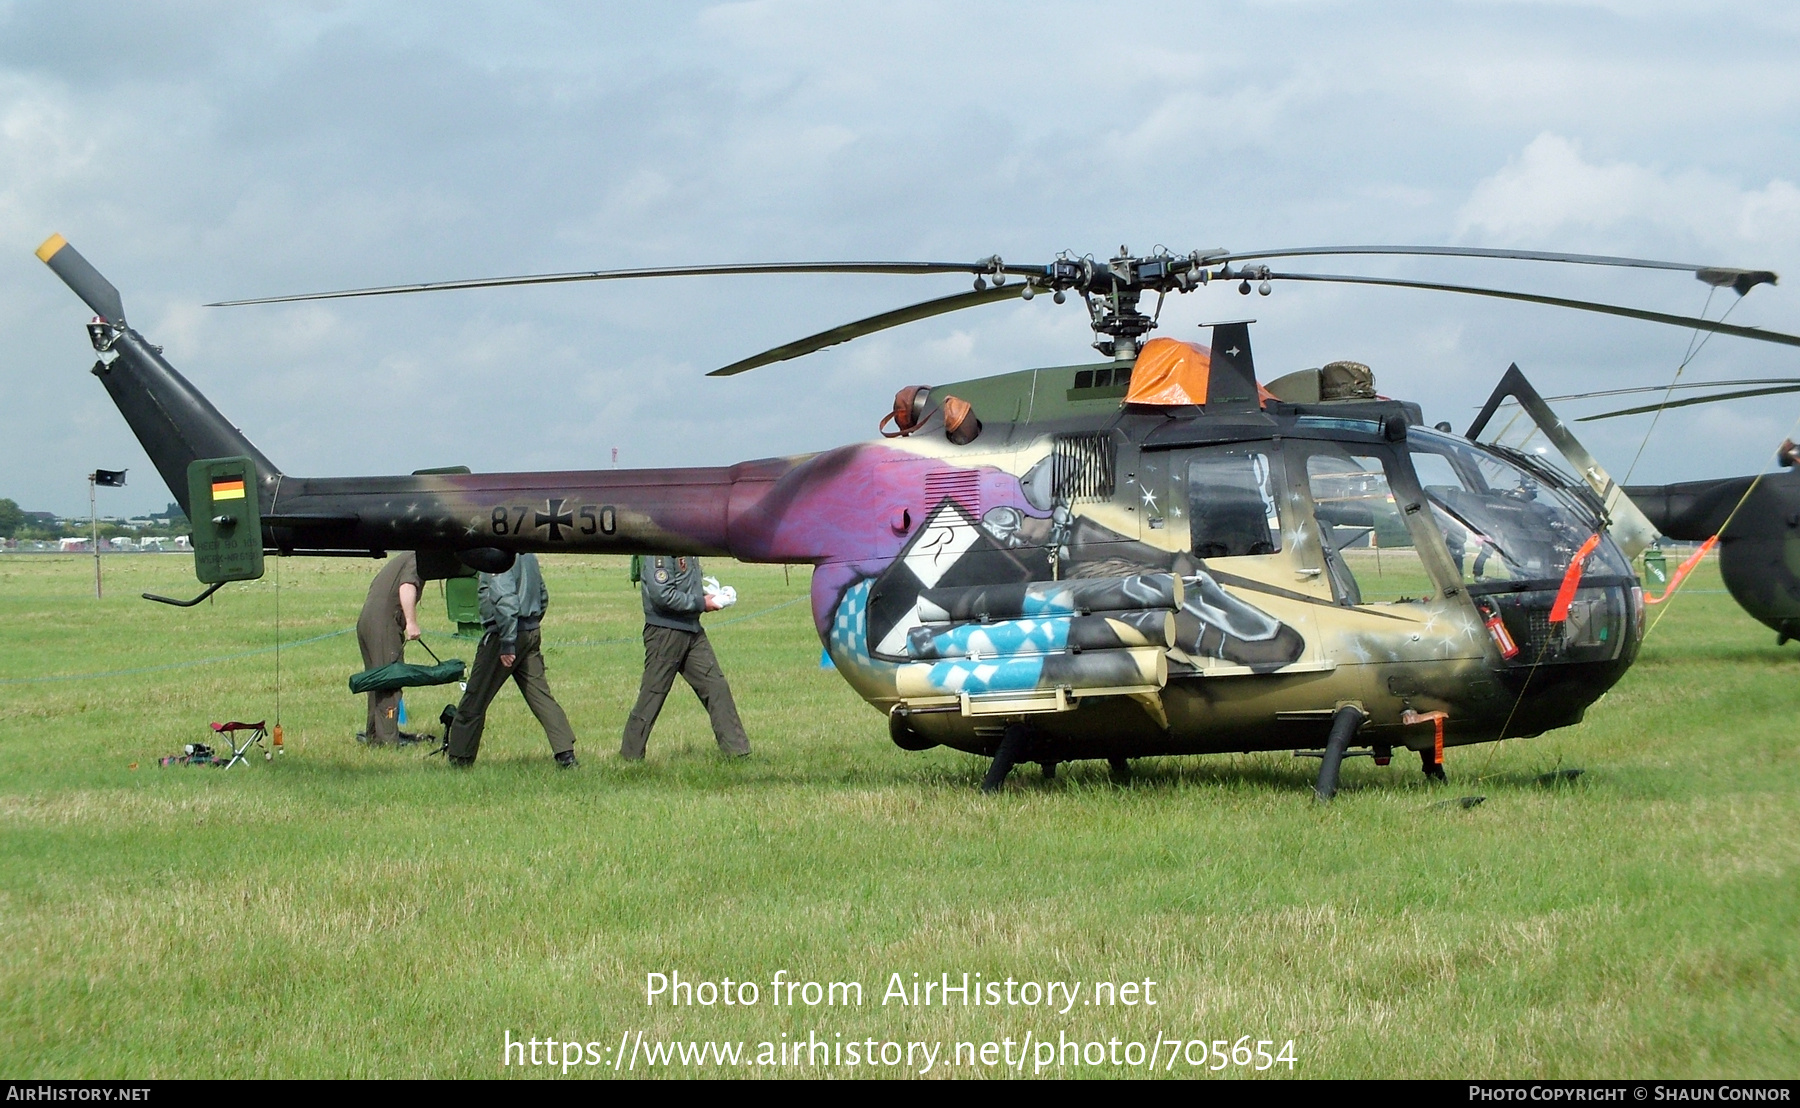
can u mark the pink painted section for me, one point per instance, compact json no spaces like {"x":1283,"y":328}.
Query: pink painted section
{"x":839,"y":511}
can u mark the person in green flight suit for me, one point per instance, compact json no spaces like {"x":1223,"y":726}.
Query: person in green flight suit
{"x":512,"y":607}
{"x":389,"y":620}
{"x":675,"y":595}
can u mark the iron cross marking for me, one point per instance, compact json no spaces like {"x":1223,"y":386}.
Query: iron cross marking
{"x":555,"y":519}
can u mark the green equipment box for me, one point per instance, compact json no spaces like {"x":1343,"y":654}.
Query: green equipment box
{"x":462,"y":602}
{"x":227,"y":520}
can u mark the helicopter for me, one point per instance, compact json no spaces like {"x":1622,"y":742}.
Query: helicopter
{"x":1756,"y":520}
{"x":1150,"y":554}
{"x":1753,"y":519}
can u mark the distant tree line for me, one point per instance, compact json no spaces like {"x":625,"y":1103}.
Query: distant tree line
{"x":16,"y":523}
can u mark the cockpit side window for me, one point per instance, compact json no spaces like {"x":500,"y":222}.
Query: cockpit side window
{"x":1232,"y":503}
{"x":1456,"y":493}
{"x":1369,"y":550}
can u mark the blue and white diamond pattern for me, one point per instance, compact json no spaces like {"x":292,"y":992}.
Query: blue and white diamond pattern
{"x":974,"y":678}
{"x":850,"y":629}
{"x":1013,"y":636}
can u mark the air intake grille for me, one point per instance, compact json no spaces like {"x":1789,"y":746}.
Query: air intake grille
{"x":1084,"y":467}
{"x":960,"y":485}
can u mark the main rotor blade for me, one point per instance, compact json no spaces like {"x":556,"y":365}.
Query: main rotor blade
{"x":1555,"y":302}
{"x":1685,"y":402}
{"x":730,"y":268}
{"x":1681,"y":385}
{"x":882,"y":322}
{"x":1743,"y":280}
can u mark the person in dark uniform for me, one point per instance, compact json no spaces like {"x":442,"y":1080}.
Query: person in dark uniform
{"x":389,"y":620}
{"x":512,"y":607}
{"x":674,"y":642}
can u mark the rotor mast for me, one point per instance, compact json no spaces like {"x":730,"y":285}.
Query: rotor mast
{"x":1113,"y":291}
{"x":1119,"y":326}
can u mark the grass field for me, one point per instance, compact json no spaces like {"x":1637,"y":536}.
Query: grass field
{"x":353,"y":912}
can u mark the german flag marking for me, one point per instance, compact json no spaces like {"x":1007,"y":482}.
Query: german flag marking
{"x":230,"y":488}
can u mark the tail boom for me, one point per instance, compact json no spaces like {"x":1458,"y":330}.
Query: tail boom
{"x":707,"y":510}
{"x":644,"y":511}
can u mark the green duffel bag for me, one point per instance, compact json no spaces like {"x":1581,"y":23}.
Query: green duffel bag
{"x":400,"y":675}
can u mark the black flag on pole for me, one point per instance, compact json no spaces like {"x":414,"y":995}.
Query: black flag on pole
{"x":110,"y":478}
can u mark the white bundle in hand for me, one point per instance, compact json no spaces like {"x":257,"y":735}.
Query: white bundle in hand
{"x":723,"y":596}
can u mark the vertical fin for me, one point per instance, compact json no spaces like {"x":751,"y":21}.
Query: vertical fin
{"x":1231,"y":386}
{"x":174,"y":422}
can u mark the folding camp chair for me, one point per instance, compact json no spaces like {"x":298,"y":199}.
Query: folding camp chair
{"x":257,"y":732}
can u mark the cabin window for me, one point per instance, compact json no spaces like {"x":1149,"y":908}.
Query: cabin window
{"x":1369,"y":550}
{"x":1232,"y":503}
{"x":1104,"y":383}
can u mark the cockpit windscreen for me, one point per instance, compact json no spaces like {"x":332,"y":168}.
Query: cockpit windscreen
{"x":1500,"y":521}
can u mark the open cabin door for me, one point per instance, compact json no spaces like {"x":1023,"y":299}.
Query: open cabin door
{"x":1517,"y":418}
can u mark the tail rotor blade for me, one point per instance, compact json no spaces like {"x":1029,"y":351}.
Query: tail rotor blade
{"x":83,"y":279}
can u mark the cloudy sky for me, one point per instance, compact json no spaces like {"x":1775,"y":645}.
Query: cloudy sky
{"x":197,"y":152}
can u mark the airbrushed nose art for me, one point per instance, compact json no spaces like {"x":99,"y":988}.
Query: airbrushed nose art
{"x":1010,"y":584}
